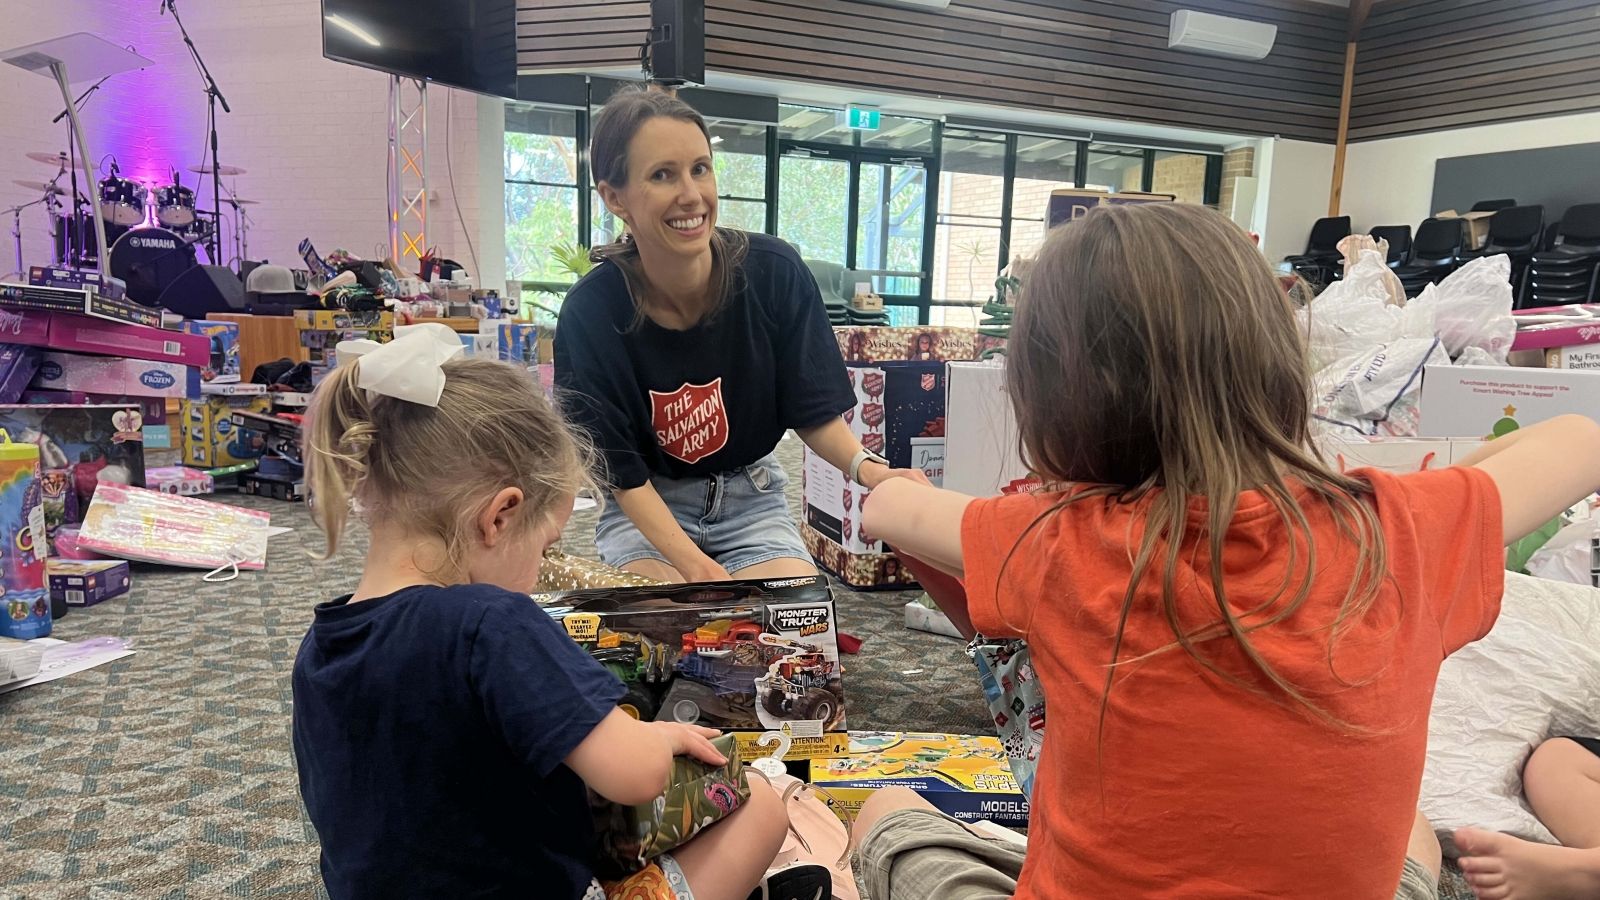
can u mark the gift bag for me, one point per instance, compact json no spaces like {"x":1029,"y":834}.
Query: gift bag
{"x":698,"y":795}
{"x":1016,"y":700}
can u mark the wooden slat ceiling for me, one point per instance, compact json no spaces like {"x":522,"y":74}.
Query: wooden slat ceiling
{"x":580,"y":34}
{"x":1427,"y":65}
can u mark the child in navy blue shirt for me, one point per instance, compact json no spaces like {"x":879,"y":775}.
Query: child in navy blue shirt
{"x":445,"y":726}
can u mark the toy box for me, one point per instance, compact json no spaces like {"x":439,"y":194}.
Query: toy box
{"x":180,"y":480}
{"x":981,"y":454}
{"x":343,"y":320}
{"x":152,"y":409}
{"x":872,"y":344}
{"x":18,"y":366}
{"x":79,"y":334}
{"x":79,"y":446}
{"x":221,"y":365}
{"x":1395,"y":454}
{"x":862,"y":571}
{"x":210,"y":437}
{"x":111,"y":375}
{"x":1485,"y":402}
{"x":84,"y":302}
{"x":744,"y":656}
{"x":519,"y":342}
{"x":78,"y":280}
{"x":86,"y":582}
{"x":967,"y":778}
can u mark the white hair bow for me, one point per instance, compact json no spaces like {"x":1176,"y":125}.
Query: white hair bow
{"x":410,"y":367}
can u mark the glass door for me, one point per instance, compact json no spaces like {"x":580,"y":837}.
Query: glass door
{"x":813,"y":207}
{"x":891,"y":225}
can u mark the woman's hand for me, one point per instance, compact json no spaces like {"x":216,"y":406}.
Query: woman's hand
{"x":704,"y":569}
{"x":873,"y":474}
{"x":692,"y":740}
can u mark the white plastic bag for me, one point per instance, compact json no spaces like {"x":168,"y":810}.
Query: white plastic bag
{"x":1472,"y":308}
{"x":1569,"y":555}
{"x":1353,"y":315}
{"x":1376,"y":392}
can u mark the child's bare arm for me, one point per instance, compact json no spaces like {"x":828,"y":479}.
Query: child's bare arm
{"x":1541,"y":470}
{"x":922,"y":521}
{"x":627,"y":761}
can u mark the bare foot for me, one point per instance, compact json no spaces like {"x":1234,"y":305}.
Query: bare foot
{"x":1501,"y":867}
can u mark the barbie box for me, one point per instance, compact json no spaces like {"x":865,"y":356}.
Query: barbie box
{"x":738,"y":655}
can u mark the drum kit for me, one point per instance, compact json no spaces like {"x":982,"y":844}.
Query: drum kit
{"x":153,"y":229}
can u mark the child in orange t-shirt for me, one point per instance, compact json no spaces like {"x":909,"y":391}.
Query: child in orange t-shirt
{"x":1238,"y":644}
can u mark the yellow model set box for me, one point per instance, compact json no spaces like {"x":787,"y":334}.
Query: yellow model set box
{"x":964,"y":776}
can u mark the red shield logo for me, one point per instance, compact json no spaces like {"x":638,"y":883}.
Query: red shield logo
{"x":691,"y":422}
{"x":929,"y":381}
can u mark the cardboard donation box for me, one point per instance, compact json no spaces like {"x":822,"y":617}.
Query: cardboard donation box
{"x":742,"y":656}
{"x":1067,"y":204}
{"x":982,"y":456}
{"x":883,"y":343}
{"x":899,"y":413}
{"x":1485,"y":402}
{"x":1396,"y":454}
{"x":965,"y":777}
{"x":1474,"y":226}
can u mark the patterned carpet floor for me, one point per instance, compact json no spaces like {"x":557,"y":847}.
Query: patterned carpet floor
{"x":168,"y":775}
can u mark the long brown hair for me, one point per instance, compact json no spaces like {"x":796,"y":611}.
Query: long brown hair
{"x":434,"y":468}
{"x":624,"y":114}
{"x":1154,"y":361}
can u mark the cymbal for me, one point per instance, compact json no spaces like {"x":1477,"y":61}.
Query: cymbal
{"x":40,"y":187}
{"x":225,"y":170}
{"x":57,"y":159}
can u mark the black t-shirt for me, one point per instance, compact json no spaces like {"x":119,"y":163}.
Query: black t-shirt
{"x":708,"y":399}
{"x":430,"y":728}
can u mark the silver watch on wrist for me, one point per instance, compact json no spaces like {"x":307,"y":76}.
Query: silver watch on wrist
{"x":864,"y":456}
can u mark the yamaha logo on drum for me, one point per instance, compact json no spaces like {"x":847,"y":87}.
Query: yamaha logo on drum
{"x":153,"y":242}
{"x":157,"y":379}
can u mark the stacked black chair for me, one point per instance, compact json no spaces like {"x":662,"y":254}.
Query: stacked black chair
{"x":1568,"y":272}
{"x":1321,"y":259}
{"x":1516,"y":232}
{"x":1492,"y":205}
{"x":1434,"y":254}
{"x":1399,"y":238}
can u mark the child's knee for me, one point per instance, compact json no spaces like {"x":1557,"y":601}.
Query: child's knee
{"x":763,"y":814}
{"x":1554,"y":760}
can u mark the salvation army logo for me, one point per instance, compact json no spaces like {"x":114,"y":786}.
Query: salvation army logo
{"x":691,"y":422}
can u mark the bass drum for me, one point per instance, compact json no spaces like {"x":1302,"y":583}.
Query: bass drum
{"x":150,"y":260}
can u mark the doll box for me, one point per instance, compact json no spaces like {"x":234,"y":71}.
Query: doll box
{"x":966,"y":777}
{"x":83,"y":444}
{"x":86,"y":582}
{"x":112,"y":375}
{"x":742,"y":656}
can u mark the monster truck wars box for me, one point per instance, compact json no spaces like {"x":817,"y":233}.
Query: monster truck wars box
{"x":743,"y":656}
{"x":967,"y":777}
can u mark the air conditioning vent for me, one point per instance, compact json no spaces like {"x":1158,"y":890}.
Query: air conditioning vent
{"x":1199,"y":32}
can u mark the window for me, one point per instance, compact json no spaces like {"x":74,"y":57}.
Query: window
{"x":812,"y":212}
{"x":1044,"y":164}
{"x":739,"y":152}
{"x":890,"y":224}
{"x":811,"y":125}
{"x":1180,"y":174}
{"x":1114,"y":168}
{"x":966,"y":251}
{"x":542,"y":191}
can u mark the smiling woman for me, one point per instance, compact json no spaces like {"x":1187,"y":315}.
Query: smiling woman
{"x":687,"y":353}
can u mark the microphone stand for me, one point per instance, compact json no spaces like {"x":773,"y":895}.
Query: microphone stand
{"x":79,"y":239}
{"x":213,"y":97}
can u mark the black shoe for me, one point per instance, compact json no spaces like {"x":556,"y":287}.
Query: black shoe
{"x":802,"y":882}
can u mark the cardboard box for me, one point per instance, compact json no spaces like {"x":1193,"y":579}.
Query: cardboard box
{"x":1066,"y":204}
{"x":211,"y":440}
{"x":343,"y":320}
{"x":221,"y":365}
{"x":1488,"y":401}
{"x":862,"y":571}
{"x":981,"y":453}
{"x":111,"y":375}
{"x":180,"y":480}
{"x":25,"y":326}
{"x":1475,"y":226}
{"x":1396,"y":454}
{"x":869,"y":344}
{"x":83,"y":443}
{"x":1548,"y":327}
{"x":518,"y":342}
{"x":1583,"y":356}
{"x":741,"y":656}
{"x":77,"y":279}
{"x":966,"y":777}
{"x":88,"y":581}
{"x":80,"y":302}
{"x":77,"y":334}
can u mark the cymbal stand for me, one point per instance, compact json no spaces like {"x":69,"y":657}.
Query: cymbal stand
{"x":16,"y":233}
{"x":78,"y":244}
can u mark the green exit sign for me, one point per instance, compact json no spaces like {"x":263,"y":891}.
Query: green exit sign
{"x":862,"y":118}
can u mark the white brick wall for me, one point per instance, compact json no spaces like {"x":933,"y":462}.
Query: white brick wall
{"x":311,"y":132}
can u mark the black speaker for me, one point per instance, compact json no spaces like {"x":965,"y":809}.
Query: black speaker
{"x":204,"y":290}
{"x":678,"y":41}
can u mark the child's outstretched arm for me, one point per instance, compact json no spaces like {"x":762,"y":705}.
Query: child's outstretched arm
{"x":628,"y":761}
{"x":918,"y":520}
{"x":1541,"y":470}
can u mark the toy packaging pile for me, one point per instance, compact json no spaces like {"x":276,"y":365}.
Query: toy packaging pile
{"x":742,"y":656}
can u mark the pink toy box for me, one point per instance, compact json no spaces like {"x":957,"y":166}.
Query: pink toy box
{"x":111,"y":375}
{"x":82,"y":334}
